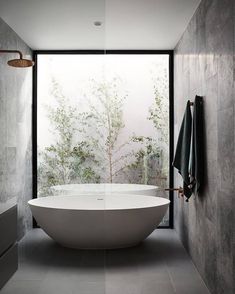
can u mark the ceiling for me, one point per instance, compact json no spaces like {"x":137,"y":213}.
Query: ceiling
{"x":126,"y":24}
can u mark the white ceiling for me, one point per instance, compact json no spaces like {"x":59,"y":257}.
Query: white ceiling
{"x":127,"y":24}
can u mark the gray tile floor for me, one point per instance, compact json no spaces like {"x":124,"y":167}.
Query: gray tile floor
{"x":159,"y":265}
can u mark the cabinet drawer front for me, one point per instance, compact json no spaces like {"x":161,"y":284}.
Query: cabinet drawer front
{"x":8,"y":264}
{"x":8,"y":228}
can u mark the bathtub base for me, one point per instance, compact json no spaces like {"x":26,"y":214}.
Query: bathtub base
{"x":101,"y":248}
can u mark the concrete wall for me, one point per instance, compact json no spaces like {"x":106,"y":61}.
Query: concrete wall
{"x":204,"y":65}
{"x":15,"y":129}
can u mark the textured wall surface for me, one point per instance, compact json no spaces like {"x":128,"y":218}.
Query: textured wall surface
{"x":15,"y":128}
{"x":204,"y":65}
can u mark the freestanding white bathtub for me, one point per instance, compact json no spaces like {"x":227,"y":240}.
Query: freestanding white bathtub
{"x":104,"y":188}
{"x":99,"y":221}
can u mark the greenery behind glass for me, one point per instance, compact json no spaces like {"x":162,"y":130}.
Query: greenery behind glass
{"x":87,"y":146}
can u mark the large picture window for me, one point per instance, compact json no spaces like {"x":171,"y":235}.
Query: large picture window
{"x":103,"y":118}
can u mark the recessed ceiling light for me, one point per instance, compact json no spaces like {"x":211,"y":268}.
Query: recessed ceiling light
{"x":97,"y":23}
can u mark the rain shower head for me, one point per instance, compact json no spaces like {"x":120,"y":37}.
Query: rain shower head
{"x":20,"y":62}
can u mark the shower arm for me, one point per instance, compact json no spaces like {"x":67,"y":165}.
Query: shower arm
{"x":12,"y":51}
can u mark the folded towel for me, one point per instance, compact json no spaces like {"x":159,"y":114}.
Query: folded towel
{"x":197,"y":147}
{"x":182,"y":153}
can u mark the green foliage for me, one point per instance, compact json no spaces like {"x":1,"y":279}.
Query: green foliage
{"x":159,"y":115}
{"x":69,"y":159}
{"x":88,"y":146}
{"x":159,"y":111}
{"x":104,"y":123}
{"x":146,"y":160}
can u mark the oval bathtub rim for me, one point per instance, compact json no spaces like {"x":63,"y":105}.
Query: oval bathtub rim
{"x":70,"y":188}
{"x":108,"y":184}
{"x":30,"y":202}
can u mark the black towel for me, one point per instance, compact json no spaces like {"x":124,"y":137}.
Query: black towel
{"x":197,"y":147}
{"x":182,"y":153}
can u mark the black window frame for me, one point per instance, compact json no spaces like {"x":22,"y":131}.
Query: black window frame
{"x":171,"y":113}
